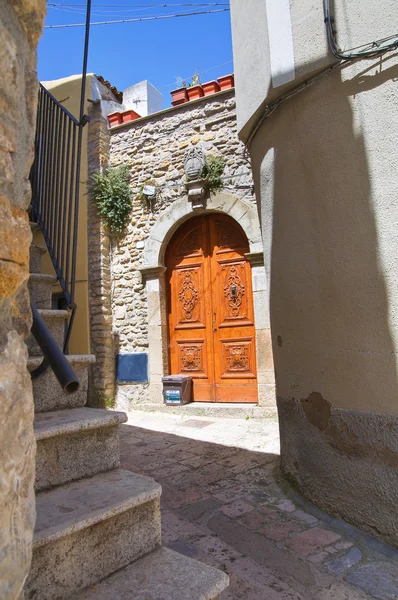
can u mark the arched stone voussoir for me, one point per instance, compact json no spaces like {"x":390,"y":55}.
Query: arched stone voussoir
{"x":243,"y":212}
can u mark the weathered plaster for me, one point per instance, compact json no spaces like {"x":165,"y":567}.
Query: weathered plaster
{"x":323,"y":166}
{"x":347,"y":466}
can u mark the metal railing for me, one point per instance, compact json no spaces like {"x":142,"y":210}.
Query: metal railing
{"x":55,"y":179}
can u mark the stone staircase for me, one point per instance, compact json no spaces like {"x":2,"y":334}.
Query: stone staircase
{"x":98,"y":528}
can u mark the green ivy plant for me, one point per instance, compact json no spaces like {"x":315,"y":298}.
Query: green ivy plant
{"x":111,"y":193}
{"x":213,"y":170}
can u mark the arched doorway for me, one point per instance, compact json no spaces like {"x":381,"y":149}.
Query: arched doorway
{"x":210,"y":309}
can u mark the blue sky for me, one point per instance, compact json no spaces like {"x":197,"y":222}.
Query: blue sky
{"x":127,"y":53}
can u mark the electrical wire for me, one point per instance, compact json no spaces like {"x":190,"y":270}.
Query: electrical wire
{"x":121,"y":10}
{"x":365,"y":50}
{"x":138,"y":19}
{"x":369,"y":50}
{"x":169,"y":85}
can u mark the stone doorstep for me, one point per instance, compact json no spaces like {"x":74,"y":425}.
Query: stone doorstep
{"x":70,"y":508}
{"x":161,"y":574}
{"x":211,"y":409}
{"x":40,"y":288}
{"x":71,"y":421}
{"x":55,"y":320}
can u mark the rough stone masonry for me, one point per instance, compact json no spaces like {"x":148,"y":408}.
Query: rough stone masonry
{"x":21,"y":23}
{"x":154,"y":148}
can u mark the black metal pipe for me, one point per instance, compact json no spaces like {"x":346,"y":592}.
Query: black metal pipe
{"x":53,"y":353}
{"x":85,"y":60}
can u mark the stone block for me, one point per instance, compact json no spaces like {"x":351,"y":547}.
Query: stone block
{"x":31,"y":15}
{"x":47,"y":391}
{"x":265,"y":360}
{"x":55,"y":321}
{"x":161,"y":574}
{"x":75,"y":443}
{"x":378,"y":579}
{"x":40,"y":288}
{"x":337,"y":566}
{"x":307,"y":542}
{"x":267,"y":395}
{"x":36,"y":253}
{"x":17,"y":467}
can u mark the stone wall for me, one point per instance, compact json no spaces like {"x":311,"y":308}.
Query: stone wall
{"x":154,"y":148}
{"x":102,"y":386}
{"x":21,"y":24}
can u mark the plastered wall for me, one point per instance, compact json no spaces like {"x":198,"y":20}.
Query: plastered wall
{"x":324,"y":166}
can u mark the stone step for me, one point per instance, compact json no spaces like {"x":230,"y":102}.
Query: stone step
{"x":88,"y":529}
{"x":55,"y":321}
{"x":161,"y":574}
{"x":47,"y":392}
{"x":36,"y":253}
{"x":40,"y":289}
{"x":75,"y":443}
{"x":225,"y":410}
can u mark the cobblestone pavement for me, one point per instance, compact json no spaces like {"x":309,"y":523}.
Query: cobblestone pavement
{"x":225,"y":503}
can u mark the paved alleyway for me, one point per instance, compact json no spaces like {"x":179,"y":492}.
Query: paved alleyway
{"x":223,"y":505}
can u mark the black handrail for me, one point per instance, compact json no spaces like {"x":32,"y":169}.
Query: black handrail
{"x":53,"y":354}
{"x":55,"y":178}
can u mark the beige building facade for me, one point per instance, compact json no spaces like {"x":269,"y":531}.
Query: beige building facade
{"x":321,"y":132}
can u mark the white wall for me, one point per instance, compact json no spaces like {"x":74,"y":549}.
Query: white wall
{"x":325,"y":168}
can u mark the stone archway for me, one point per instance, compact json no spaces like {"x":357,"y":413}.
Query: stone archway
{"x":153,"y":271}
{"x":245,"y":213}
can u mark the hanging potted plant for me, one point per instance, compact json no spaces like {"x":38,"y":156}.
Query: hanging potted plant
{"x":179,"y":95}
{"x":211,"y":87}
{"x":226,"y":82}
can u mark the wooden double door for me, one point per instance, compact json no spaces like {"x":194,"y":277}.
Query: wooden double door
{"x":210,"y":309}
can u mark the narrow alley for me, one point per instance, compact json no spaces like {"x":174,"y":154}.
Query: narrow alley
{"x":225,"y":503}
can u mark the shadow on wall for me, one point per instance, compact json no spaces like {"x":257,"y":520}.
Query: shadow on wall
{"x":329,"y":307}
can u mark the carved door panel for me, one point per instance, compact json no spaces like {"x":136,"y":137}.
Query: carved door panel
{"x":233,"y":314}
{"x":190,"y":345}
{"x":210,"y":310}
